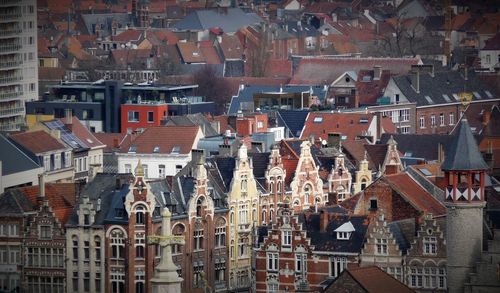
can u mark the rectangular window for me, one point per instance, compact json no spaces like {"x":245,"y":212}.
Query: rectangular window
{"x":287,"y":238}
{"x":150,"y":117}
{"x":405,"y":115}
{"x":381,"y":246}
{"x":452,"y":119}
{"x":441,"y":119}
{"x":260,"y":124}
{"x":220,"y":236}
{"x":45,"y":232}
{"x":220,"y":272}
{"x":405,"y":129}
{"x":430,"y":244}
{"x":272,"y":261}
{"x":373,"y":204}
{"x":198,"y":239}
{"x":46,"y":163}
{"x":197,"y":280}
{"x":422,"y":122}
{"x":337,"y":265}
{"x":161,"y":171}
{"x":433,"y":120}
{"x":133,"y":116}
{"x":128,"y":168}
{"x":300,"y":262}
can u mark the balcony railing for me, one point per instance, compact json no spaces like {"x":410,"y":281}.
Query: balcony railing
{"x":10,"y":32}
{"x":11,"y":111}
{"x":9,"y":47}
{"x":9,"y":16}
{"x":8,"y":2}
{"x":11,"y":127}
{"x":244,"y":227}
{"x":10,"y":79}
{"x":11,"y":95}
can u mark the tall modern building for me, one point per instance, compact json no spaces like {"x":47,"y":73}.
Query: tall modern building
{"x":18,"y":61}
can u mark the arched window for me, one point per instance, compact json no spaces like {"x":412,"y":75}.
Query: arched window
{"x":117,"y":244}
{"x":178,"y":230}
{"x":231,"y":218}
{"x":271,"y":186}
{"x":280,"y":186}
{"x":139,"y":216}
{"x":139,"y":251}
{"x":363,"y":184}
{"x":307,"y":192}
{"x":97,"y":245}
{"x":74,"y":239}
{"x":220,"y":233}
{"x":264,"y":216}
{"x":199,"y":206}
{"x":271,"y":215}
{"x":244,"y":183}
{"x":139,"y":287}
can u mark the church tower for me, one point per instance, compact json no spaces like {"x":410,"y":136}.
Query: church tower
{"x":363,"y":175}
{"x":464,"y":170}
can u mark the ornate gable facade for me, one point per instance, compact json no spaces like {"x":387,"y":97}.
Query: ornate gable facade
{"x":307,"y":186}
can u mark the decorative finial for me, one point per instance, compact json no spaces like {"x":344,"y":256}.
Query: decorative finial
{"x":340,"y":146}
{"x":139,"y":170}
{"x":366,"y":156}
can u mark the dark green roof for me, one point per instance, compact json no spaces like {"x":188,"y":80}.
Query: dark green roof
{"x":463,"y":153}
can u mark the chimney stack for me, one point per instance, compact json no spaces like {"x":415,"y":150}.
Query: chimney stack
{"x":323,"y":220}
{"x":41,"y":186}
{"x":69,"y":116}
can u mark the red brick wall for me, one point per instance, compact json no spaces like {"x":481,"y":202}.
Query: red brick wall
{"x":436,"y":111}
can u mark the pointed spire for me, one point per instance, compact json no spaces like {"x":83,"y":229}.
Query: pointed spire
{"x":139,"y":170}
{"x":463,"y":154}
{"x":242,"y":152}
{"x":392,"y":141}
{"x":365,"y":158}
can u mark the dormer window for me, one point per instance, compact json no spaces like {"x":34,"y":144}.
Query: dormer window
{"x":344,"y":231}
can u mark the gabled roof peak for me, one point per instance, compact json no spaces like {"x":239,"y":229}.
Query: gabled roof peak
{"x":346,"y":227}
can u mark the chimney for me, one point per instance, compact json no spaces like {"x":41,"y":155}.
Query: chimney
{"x":323,"y":220}
{"x":69,"y":116}
{"x":486,"y":117}
{"x":377,"y":72}
{"x":415,"y":80}
{"x":41,"y":186}
{"x":225,"y":150}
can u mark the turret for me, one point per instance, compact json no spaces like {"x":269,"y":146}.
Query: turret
{"x":464,"y":170}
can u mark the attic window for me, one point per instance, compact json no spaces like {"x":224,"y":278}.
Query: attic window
{"x":456,"y":97}
{"x":367,"y":78}
{"x":318,"y":119}
{"x":344,"y":231}
{"x":363,"y":120}
{"x":373,"y":204}
{"x":176,"y":150}
{"x":477,"y":95}
{"x":446,"y":98}
{"x":489,"y":94}
{"x":132,"y":149}
{"x":195,"y":54}
{"x":156,"y":149}
{"x":347,"y":79}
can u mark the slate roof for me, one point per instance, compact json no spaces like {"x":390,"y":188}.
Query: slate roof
{"x":229,"y":22}
{"x":102,"y":187}
{"x":463,"y":154}
{"x":423,"y":146}
{"x":106,"y":19}
{"x":325,"y":71}
{"x":327,"y":240}
{"x":221,"y":171}
{"x":14,"y":203}
{"x":246,"y":95}
{"x":443,"y":83}
{"x":293,"y":120}
{"x":37,"y":142}
{"x":234,"y":68}
{"x":161,"y":136}
{"x":404,"y":233}
{"x":193,"y":120}
{"x":14,"y":160}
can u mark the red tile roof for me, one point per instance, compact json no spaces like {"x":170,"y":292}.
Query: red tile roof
{"x":208,"y":50}
{"x":493,"y":43}
{"x":109,"y":140}
{"x":345,"y":123}
{"x":369,"y":91}
{"x":166,"y":35}
{"x":231,"y":47}
{"x":415,"y":194}
{"x":37,"y":141}
{"x":279,"y":68}
{"x":374,"y":280}
{"x":164,"y":137}
{"x":82,"y":132}
{"x":61,"y":197}
{"x":128,"y":35}
{"x":323,"y":70}
{"x":190,"y":53}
